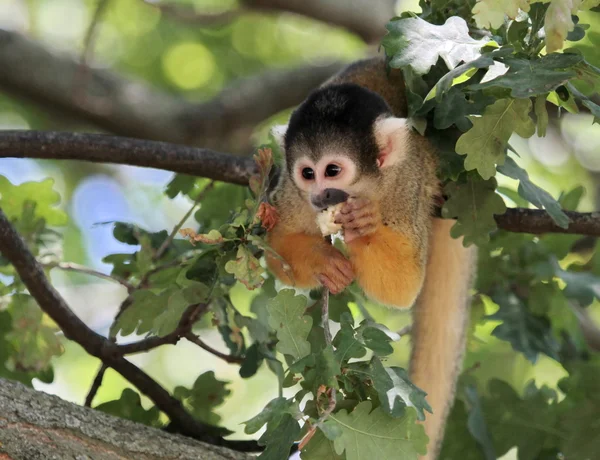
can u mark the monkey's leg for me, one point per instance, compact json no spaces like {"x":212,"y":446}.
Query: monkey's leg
{"x":440,"y":320}
{"x":311,"y":260}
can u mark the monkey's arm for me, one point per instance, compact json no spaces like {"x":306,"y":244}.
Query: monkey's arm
{"x":387,"y":266}
{"x":389,"y":263}
{"x":312,"y":261}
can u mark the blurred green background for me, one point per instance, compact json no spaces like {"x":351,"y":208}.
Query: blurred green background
{"x":196,"y":62}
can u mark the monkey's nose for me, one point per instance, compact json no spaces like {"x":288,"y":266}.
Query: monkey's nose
{"x":329,"y":197}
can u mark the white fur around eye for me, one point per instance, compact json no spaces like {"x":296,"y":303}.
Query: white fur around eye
{"x":392,"y":137}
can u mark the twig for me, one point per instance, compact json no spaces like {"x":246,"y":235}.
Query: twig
{"x":189,"y":317}
{"x":163,"y":247}
{"x":187,"y":14}
{"x":325,"y":316}
{"x":406,"y":330}
{"x":73,"y":267}
{"x":225,"y":357}
{"x":95,"y":385}
{"x":51,"y":302}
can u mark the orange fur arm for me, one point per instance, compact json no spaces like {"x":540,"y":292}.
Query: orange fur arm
{"x":387,"y":267}
{"x":303,"y":253}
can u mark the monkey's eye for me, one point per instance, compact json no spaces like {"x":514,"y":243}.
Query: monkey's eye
{"x":332,"y":170}
{"x":308,"y":174}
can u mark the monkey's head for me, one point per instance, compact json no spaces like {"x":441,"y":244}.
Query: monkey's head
{"x":339,"y":142}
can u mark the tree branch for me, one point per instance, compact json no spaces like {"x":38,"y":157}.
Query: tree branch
{"x":522,"y":220}
{"x":222,"y":167}
{"x":132,"y":108}
{"x":36,"y":425}
{"x":187,"y":14}
{"x":73,"y":267}
{"x":227,"y":358}
{"x":100,"y":148}
{"x":366,"y":18}
{"x":50,"y":301}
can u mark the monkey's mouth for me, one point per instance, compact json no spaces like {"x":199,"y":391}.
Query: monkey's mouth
{"x":328,"y":197}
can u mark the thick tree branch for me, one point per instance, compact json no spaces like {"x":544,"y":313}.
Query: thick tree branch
{"x":99,"y":148}
{"x":223,"y":167}
{"x":521,"y":220}
{"x":366,"y":18}
{"x":188,"y":14}
{"x":31,"y":273}
{"x":133,"y":108}
{"x":39,"y":426}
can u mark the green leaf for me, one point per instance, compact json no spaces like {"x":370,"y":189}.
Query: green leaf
{"x":206,"y":394}
{"x":292,"y":326}
{"x":177,"y":304}
{"x":534,"y":77}
{"x":396,"y":391}
{"x":583,"y":287}
{"x":129,"y":406}
{"x":246,"y":268}
{"x":8,"y":355}
{"x":347,"y":346}
{"x":320,"y":448}
{"x":526,"y":332}
{"x":541,"y":114}
{"x":279,"y":438}
{"x":534,"y":194}
{"x":476,"y":423}
{"x":535,"y":418}
{"x":374,"y":434}
{"x":570,"y":200}
{"x":34,"y":343}
{"x":140,"y":314}
{"x":454,"y":107}
{"x":419,"y":44}
{"x":252,"y":361}
{"x":13,"y":199}
{"x":485,"y":143}
{"x":276,"y":408}
{"x":474,"y":205}
{"x":181,"y":183}
{"x":579,"y":410}
{"x":375,"y":337}
{"x":458,"y":442}
{"x":326,"y":368}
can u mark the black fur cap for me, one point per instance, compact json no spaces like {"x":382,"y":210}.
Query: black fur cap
{"x":340,"y":118}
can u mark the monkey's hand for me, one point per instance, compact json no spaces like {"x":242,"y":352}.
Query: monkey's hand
{"x":358,"y":217}
{"x":311,"y":260}
{"x":336,"y":273}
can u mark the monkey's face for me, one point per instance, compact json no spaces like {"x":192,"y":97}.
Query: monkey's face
{"x":327,"y":181}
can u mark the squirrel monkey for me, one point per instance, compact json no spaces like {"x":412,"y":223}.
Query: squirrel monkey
{"x":348,"y":145}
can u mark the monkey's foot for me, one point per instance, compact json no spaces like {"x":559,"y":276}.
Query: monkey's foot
{"x":359,"y":217}
{"x":337,"y":274}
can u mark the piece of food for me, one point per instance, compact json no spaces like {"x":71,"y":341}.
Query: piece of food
{"x":326,"y":220}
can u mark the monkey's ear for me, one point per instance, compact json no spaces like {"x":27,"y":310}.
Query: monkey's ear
{"x":392,"y":137}
{"x":278,"y":132}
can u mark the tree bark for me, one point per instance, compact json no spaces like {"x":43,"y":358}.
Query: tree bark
{"x":38,"y":426}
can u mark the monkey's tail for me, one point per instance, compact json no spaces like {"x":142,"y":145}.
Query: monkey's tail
{"x":440,"y":320}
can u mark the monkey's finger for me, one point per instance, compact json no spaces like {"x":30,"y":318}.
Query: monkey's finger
{"x":344,"y":266}
{"x":353,"y":204}
{"x":329,"y":284}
